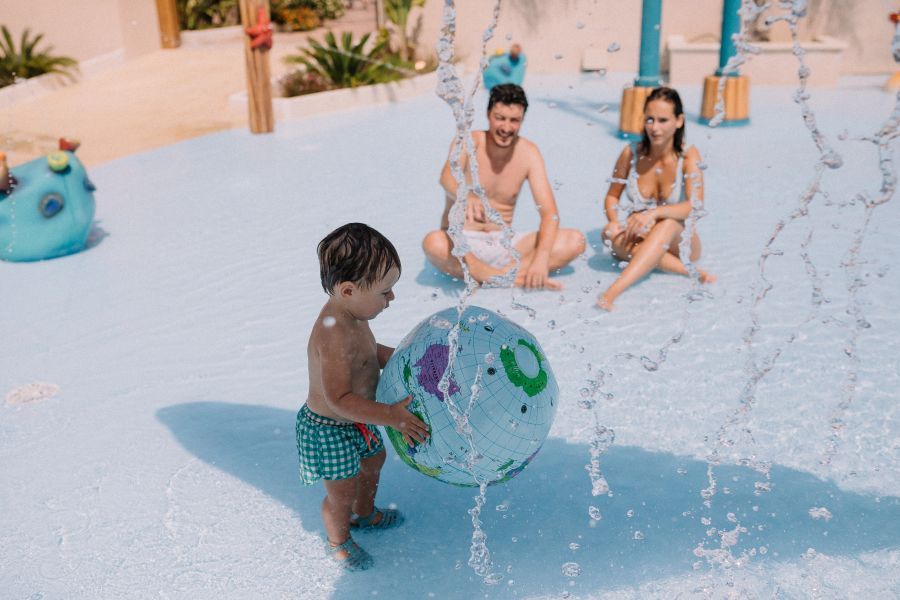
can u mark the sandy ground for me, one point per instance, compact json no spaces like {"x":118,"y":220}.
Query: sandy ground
{"x":150,"y":101}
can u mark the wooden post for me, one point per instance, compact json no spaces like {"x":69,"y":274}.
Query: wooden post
{"x":736,"y":93}
{"x":169,"y":29}
{"x":259,"y":87}
{"x":631,"y":114}
{"x":736,"y":96}
{"x":893,"y":83}
{"x":379,"y":14}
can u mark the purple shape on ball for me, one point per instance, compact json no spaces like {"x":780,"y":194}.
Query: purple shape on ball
{"x":431,"y":368}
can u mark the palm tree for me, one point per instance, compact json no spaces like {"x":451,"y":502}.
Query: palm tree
{"x":27,"y":62}
{"x":397,"y":11}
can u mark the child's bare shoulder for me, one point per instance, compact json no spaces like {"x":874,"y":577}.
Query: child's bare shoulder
{"x":332,"y":335}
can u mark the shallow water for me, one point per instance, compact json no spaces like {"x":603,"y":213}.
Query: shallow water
{"x":165,"y":463}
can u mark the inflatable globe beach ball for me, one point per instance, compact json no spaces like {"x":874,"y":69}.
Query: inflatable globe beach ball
{"x":500,"y":377}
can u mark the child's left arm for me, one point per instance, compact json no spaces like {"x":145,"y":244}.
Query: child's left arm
{"x":383,"y":353}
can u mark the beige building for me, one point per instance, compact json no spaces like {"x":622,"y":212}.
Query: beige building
{"x":842,"y":36}
{"x":557,"y":35}
{"x":87,"y":30}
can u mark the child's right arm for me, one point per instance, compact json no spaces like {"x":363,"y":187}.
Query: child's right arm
{"x":336,"y":357}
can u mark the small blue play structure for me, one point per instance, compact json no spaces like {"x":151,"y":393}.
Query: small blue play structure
{"x":504,"y":68}
{"x":46,"y":207}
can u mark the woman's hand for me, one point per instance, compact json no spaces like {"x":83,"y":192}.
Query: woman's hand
{"x":639,"y":224}
{"x":612,"y":230}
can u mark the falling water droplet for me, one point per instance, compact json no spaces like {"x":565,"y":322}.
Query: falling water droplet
{"x":571,"y":569}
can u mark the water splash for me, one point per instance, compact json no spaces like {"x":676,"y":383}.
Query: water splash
{"x":450,"y":89}
{"x":851,"y":264}
{"x":749,"y":12}
{"x":757,"y":367}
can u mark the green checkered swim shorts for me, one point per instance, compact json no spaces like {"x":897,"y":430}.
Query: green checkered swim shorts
{"x":332,"y":449}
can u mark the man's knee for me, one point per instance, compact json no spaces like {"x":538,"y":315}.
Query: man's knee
{"x":573,"y":243}
{"x":436,"y":243}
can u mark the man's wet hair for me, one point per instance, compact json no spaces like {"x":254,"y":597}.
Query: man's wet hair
{"x":508,"y":93}
{"x":357,"y":253}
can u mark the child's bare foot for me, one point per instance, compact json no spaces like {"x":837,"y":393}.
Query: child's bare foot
{"x":706,"y":277}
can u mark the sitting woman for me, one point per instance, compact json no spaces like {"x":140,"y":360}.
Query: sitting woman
{"x":660,"y":178}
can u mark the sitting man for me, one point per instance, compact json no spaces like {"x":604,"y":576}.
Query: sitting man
{"x":505,"y":161}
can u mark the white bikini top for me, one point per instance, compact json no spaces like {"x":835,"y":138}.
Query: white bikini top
{"x":676,"y":194}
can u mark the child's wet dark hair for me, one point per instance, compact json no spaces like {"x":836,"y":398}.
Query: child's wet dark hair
{"x":355,"y":252}
{"x":508,"y":93}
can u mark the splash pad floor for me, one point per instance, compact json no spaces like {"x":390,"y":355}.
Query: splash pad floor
{"x":164,"y":465}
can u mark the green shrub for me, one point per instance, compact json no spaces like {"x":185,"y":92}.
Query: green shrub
{"x":323,"y":9}
{"x":296,"y":14}
{"x":25,"y":61}
{"x":347,"y":64}
{"x":297,"y":19}
{"x":204,"y":14}
{"x":301,"y":82}
{"x":397,"y":12}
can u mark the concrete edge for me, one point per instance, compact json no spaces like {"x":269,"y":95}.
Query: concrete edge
{"x":214,"y":35}
{"x":342,"y":99}
{"x":823,"y":43}
{"x":39,"y":86}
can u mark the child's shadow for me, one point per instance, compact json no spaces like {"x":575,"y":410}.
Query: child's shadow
{"x":539,"y":521}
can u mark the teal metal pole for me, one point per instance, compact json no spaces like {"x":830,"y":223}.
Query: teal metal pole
{"x":731,"y":25}
{"x":651,"y":16}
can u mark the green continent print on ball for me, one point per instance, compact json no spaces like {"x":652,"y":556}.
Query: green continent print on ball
{"x":514,"y":406}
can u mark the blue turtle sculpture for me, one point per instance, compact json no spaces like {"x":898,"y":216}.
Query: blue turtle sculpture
{"x":46,"y":206}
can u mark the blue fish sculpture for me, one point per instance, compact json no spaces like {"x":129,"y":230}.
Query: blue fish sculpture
{"x":508,"y":67}
{"x":46,"y":207}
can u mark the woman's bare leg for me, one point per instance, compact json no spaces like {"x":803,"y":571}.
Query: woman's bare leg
{"x":665,"y":255}
{"x":672,"y":263}
{"x":645,"y":257}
